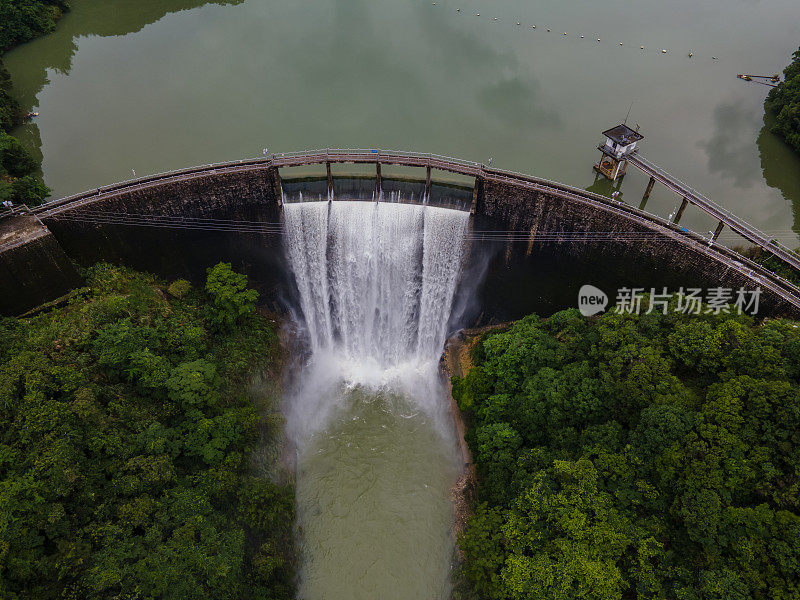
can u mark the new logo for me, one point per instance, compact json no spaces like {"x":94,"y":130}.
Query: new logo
{"x":591,"y":300}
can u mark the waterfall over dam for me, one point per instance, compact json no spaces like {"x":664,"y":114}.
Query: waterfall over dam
{"x":376,"y":453}
{"x":376,"y":279}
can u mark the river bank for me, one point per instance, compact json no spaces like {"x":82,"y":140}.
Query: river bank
{"x":20,"y":180}
{"x":456,"y":361}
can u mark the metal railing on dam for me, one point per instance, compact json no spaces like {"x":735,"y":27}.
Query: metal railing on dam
{"x":310,"y":157}
{"x":429,"y":161}
{"x":722,"y":214}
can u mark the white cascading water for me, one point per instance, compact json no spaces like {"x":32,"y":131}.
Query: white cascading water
{"x":376,"y":451}
{"x":376,"y":279}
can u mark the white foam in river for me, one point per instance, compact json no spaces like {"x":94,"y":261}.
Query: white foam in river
{"x":376,"y":455}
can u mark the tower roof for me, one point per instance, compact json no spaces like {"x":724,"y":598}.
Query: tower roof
{"x":623,"y":135}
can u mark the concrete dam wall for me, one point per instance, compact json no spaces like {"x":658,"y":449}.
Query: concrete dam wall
{"x":115,"y":226}
{"x":555,"y":229}
{"x":533,"y":257}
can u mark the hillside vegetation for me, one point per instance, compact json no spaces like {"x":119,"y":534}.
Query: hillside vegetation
{"x":24,"y":20}
{"x":126,"y":430}
{"x":653,"y":456}
{"x":20,"y":21}
{"x":784,"y":101}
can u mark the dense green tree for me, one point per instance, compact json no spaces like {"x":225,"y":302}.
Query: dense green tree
{"x":14,"y":159}
{"x":124,"y":431}
{"x":9,"y":107}
{"x":784,"y":101}
{"x":653,"y":456}
{"x":20,"y":21}
{"x":229,"y":295}
{"x":23,"y":20}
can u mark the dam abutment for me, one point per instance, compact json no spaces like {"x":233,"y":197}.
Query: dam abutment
{"x":33,"y":266}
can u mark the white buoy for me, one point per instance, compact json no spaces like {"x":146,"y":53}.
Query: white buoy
{"x":641,"y":47}
{"x":495,"y":18}
{"x":620,"y":43}
{"x":598,"y":39}
{"x":479,"y":14}
{"x":713,"y":58}
{"x":533,"y":26}
{"x":548,"y":29}
{"x":458,"y":10}
{"x":663,"y":51}
{"x":691,"y":54}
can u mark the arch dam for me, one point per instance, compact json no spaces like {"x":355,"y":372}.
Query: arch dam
{"x":539,"y":239}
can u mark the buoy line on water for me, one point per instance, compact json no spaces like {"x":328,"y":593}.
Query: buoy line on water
{"x":690,"y":53}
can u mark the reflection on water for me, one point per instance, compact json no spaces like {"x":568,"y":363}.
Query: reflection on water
{"x":605,"y":187}
{"x":781,"y":167}
{"x":731,"y":150}
{"x":34,"y":63}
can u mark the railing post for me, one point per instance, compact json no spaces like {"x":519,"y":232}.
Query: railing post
{"x":278,"y":186}
{"x":717,"y":232}
{"x":428,"y":183}
{"x":679,"y":214}
{"x":330,"y":177}
{"x":475,"y":193}
{"x":378,"y":178}
{"x":649,"y":189}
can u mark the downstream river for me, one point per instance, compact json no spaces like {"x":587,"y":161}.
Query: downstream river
{"x":376,"y":454}
{"x":126,"y":85}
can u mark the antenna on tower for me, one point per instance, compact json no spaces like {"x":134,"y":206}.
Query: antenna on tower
{"x":629,"y":113}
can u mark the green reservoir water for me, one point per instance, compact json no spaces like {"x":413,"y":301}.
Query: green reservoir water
{"x":156,"y":84}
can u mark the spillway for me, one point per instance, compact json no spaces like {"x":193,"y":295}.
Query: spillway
{"x":376,"y":279}
{"x":376,"y":452}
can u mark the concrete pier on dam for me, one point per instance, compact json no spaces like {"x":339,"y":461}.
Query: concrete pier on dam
{"x":534,"y":242}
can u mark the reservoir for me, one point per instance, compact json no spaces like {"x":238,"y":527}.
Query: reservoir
{"x":125,"y":86}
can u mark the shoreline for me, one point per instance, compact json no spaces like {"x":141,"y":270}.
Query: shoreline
{"x":456,"y":360}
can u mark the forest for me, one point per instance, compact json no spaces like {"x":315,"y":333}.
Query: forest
{"x":22,"y":21}
{"x":784,"y":102}
{"x":127,"y":428}
{"x":625,"y":456}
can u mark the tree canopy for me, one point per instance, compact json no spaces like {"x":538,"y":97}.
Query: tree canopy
{"x":784,"y":101}
{"x":22,"y":20}
{"x":653,"y":456}
{"x":125,"y":435}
